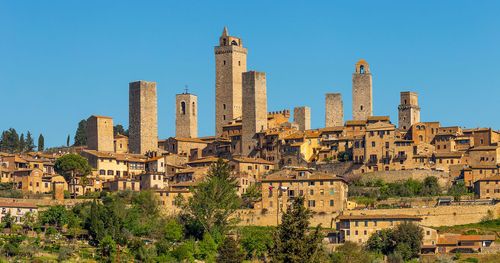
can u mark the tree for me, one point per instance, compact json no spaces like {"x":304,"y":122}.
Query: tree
{"x":118,"y":129}
{"x":70,"y":166}
{"x":107,"y":249}
{"x":30,"y":144}
{"x":67,"y":141}
{"x":22,"y":144}
{"x":41,"y":143}
{"x":457,"y":190}
{"x":351,"y":252}
{"x":56,"y":216}
{"x":81,"y":134}
{"x":256,"y":241}
{"x":292,"y":242}
{"x":230,"y":252}
{"x":430,"y":186}
{"x":405,"y":240}
{"x":252,"y":195}
{"x":9,"y":141}
{"x":215,"y":200}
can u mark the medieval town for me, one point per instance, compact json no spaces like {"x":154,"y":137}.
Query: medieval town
{"x":356,"y":178}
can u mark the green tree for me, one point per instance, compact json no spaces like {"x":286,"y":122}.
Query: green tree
{"x":292,"y":242}
{"x":107,"y":249}
{"x":405,"y":240}
{"x":430,"y":186}
{"x":252,"y":195}
{"x":81,"y":134}
{"x":29,"y":221}
{"x":70,"y":166}
{"x":118,"y":129}
{"x":9,"y":141}
{"x":22,"y":144}
{"x":230,"y":252}
{"x":30,"y":144}
{"x":457,"y":190}
{"x":67,"y":141}
{"x":56,"y":216}
{"x":256,"y":241}
{"x":353,"y":253}
{"x":41,"y":143}
{"x":215,"y":199}
{"x":7,"y":221}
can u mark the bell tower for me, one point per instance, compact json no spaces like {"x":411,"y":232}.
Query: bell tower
{"x":362,"y":98}
{"x":230,"y":63}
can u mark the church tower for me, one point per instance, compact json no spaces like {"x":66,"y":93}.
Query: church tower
{"x":362,"y":98}
{"x":409,"y":111}
{"x":186,"y":116}
{"x":230,"y":63}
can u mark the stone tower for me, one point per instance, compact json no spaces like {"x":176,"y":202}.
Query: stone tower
{"x":143,"y":117}
{"x":254,"y":117}
{"x":409,"y":111}
{"x":362,"y":98}
{"x":334,"y":110}
{"x":186,"y":116}
{"x":230,"y":63}
{"x":100,"y":133}
{"x":302,"y":117}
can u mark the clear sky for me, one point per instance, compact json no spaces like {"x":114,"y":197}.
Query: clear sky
{"x":62,"y":61}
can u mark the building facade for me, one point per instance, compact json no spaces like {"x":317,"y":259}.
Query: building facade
{"x":143,"y":117}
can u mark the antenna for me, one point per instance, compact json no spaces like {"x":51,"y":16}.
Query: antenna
{"x":186,"y":89}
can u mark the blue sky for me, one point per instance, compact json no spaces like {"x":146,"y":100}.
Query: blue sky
{"x":62,"y":61}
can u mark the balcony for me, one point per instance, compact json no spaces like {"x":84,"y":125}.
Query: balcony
{"x":385,"y":159}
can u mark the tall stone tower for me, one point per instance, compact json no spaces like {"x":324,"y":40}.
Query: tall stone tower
{"x":186,"y":116}
{"x":100,"y":133}
{"x":409,"y":111}
{"x":254,"y":109}
{"x":230,"y":63}
{"x":334,"y":110}
{"x":143,"y":117}
{"x":362,"y":98}
{"x":302,"y":117}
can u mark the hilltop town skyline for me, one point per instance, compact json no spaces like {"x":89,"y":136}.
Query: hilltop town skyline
{"x":312,"y":73}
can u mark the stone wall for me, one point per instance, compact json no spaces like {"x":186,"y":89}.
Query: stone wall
{"x":100,"y":133}
{"x":362,"y":99}
{"x":254,"y":117}
{"x":444,"y":179}
{"x":432,"y":216}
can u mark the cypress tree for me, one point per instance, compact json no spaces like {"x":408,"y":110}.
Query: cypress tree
{"x":30,"y":144}
{"x":41,"y":143}
{"x":292,"y":242}
{"x":81,"y":134}
{"x":22,"y":144}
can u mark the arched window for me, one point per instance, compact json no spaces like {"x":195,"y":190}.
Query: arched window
{"x":224,"y":41}
{"x":361,"y":107}
{"x":362,"y":69}
{"x":194,"y":109}
{"x":420,"y":138}
{"x":234,"y":43}
{"x":183,"y":108}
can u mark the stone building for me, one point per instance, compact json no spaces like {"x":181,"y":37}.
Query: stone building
{"x":186,"y":116}
{"x":302,"y":117}
{"x":362,"y":98}
{"x":254,"y":109}
{"x":488,"y":188}
{"x":143,"y":117}
{"x":334,"y":110}
{"x":409,"y":111}
{"x":121,"y":143}
{"x":322,"y":192}
{"x":230,"y":63}
{"x":100,"y":133}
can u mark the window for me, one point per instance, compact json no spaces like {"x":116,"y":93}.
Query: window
{"x":312,"y":203}
{"x":194,"y":109}
{"x":224,"y":62}
{"x":361,"y":107}
{"x":362,"y":69}
{"x":311,"y":192}
{"x":373,"y":144}
{"x":321,"y":192}
{"x":311,"y":183}
{"x":366,"y":223}
{"x":332,"y":203}
{"x":356,"y":232}
{"x":332,"y":191}
{"x":365,"y":233}
{"x":102,"y":172}
{"x":356,"y":223}
{"x":183,"y":108}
